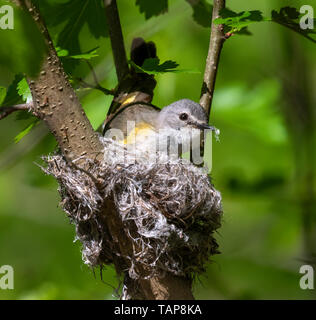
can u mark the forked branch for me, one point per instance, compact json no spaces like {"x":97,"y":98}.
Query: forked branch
{"x":58,"y":106}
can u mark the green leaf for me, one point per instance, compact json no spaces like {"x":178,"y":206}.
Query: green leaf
{"x":289,"y":17}
{"x":286,"y":14}
{"x":24,"y":90}
{"x":74,"y":15}
{"x":23,"y":47}
{"x":63,"y":53}
{"x":152,"y":8}
{"x":238,"y":22}
{"x":86,"y":56}
{"x":3,"y":93}
{"x":153,"y":66}
{"x":12,"y":97}
{"x":202,"y":12}
{"x":23,"y":115}
{"x":25,"y":131}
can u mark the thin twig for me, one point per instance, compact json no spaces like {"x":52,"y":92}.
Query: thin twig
{"x":97,"y":83}
{"x":5,"y":111}
{"x":95,"y":78}
{"x":117,"y":41}
{"x":84,"y":84}
{"x":216,"y":43}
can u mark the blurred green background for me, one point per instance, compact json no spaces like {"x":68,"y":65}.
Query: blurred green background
{"x":264,"y":164}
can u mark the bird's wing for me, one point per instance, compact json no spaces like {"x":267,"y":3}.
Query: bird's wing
{"x":140,"y":114}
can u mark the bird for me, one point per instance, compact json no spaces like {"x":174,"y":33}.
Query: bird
{"x":176,"y":126}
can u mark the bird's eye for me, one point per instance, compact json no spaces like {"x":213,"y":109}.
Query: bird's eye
{"x":183,"y":116}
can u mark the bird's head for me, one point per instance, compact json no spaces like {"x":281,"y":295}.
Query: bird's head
{"x":184,"y":113}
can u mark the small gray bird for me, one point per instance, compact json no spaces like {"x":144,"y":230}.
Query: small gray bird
{"x":139,"y":122}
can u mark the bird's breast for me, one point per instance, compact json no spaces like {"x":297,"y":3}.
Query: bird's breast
{"x":141,"y":133}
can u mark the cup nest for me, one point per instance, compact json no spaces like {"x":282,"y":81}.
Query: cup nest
{"x":171,"y":205}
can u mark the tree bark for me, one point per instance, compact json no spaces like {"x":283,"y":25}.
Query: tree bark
{"x":216,"y":43}
{"x":55,"y":102}
{"x":116,"y":36}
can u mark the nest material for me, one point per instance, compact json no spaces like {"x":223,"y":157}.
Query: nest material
{"x":171,"y":206}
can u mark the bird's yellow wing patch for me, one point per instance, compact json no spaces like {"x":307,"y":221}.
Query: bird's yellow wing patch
{"x":141,"y":130}
{"x":129,"y":99}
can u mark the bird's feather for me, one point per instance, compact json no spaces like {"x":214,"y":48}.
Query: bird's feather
{"x":138,"y":113}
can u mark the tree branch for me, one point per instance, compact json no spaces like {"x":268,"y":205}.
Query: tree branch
{"x":216,"y":43}
{"x":5,"y":111}
{"x":96,"y":81}
{"x":56,"y":103}
{"x":117,"y":41}
{"x":97,"y":86}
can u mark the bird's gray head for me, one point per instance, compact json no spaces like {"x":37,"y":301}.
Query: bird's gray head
{"x":184,"y":113}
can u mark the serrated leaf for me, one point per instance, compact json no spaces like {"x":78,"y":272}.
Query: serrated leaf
{"x":25,"y":131}
{"x":202,"y":12}
{"x":22,"y":44}
{"x":287,"y":13}
{"x":74,"y":14}
{"x":24,"y":90}
{"x":152,"y":8}
{"x":238,"y":22}
{"x":3,"y":93}
{"x":152,"y":66}
{"x":289,"y":17}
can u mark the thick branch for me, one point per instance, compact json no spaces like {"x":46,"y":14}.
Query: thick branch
{"x":117,"y":41}
{"x":56,"y":103}
{"x":5,"y":111}
{"x":216,"y":43}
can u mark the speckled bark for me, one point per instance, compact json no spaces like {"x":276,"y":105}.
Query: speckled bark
{"x":56,"y":103}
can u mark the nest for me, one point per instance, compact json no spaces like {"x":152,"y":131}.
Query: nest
{"x":169,"y":210}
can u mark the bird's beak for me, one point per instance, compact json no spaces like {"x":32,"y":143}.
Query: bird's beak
{"x":203,"y":126}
